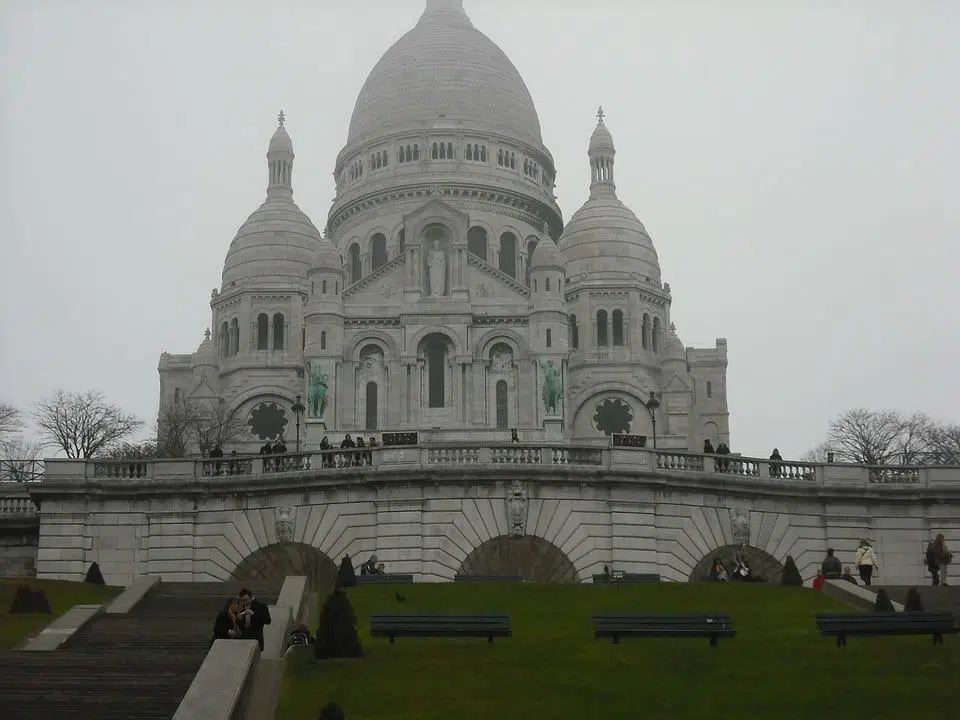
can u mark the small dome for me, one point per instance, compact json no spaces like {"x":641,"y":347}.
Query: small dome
{"x":673,"y":348}
{"x":280,"y":142}
{"x":276,"y":244}
{"x":326,"y":257}
{"x":601,"y":138}
{"x":546,"y":255}
{"x":605,"y":235}
{"x":206,"y":353}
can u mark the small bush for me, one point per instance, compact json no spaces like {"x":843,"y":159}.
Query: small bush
{"x":28,"y":600}
{"x":883,"y":603}
{"x":791,"y":574}
{"x":337,"y":631}
{"x":94,"y":576}
{"x":913,"y":602}
{"x":332,"y":712}
{"x":347,"y":576}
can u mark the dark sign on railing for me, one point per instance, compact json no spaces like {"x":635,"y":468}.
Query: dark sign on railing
{"x":393,"y":439}
{"x":624,"y":440}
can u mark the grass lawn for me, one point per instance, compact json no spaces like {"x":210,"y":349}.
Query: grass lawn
{"x":62,"y":595}
{"x":777,"y":666}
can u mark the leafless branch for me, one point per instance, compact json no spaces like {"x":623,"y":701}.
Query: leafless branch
{"x":11,"y":420}
{"x":83,"y":424}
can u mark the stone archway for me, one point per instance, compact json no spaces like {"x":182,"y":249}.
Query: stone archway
{"x":275,"y":562}
{"x":763,"y":564}
{"x":532,"y":558}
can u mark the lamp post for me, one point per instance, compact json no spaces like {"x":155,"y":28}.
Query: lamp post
{"x":298,"y":409}
{"x":651,"y":404}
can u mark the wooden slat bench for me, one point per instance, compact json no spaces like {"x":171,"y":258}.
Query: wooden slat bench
{"x":431,"y":624}
{"x":384,"y":578}
{"x":488,"y":578}
{"x":617,"y":626}
{"x":843,"y":625}
{"x":626,"y":578}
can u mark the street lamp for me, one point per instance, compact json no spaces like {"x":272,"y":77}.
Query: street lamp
{"x":651,"y":404}
{"x":298,"y":409}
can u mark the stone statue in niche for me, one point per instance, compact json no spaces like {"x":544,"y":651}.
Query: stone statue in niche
{"x":502,"y":360}
{"x":285,"y":521}
{"x":517,"y":508}
{"x":437,"y":269}
{"x":371,"y":362}
{"x":740,"y":526}
{"x":552,"y":386}
{"x":316,"y":391}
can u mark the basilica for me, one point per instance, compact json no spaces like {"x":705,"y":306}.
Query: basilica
{"x":446,"y":294}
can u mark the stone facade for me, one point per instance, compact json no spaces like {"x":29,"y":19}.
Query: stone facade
{"x":18,"y":551}
{"x":446,"y":282}
{"x":436,"y":511}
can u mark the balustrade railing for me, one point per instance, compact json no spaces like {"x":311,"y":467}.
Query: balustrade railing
{"x":629,"y":460}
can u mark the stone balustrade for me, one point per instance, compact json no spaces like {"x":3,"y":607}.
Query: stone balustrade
{"x":15,"y":502}
{"x":670,"y":463}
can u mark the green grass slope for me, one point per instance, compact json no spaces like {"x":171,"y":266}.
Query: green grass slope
{"x":62,"y":594}
{"x":778,"y":665}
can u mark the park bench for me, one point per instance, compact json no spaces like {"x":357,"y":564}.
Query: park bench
{"x":843,"y":625}
{"x":659,"y":625}
{"x":488,"y":578}
{"x":384,"y":578}
{"x":626,"y":578}
{"x":488,"y":625}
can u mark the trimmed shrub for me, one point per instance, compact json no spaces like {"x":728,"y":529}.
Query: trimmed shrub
{"x":94,"y":576}
{"x":337,"y":631}
{"x":28,"y":600}
{"x":332,"y":712}
{"x":791,"y":574}
{"x":913,"y":603}
{"x":883,"y":603}
{"x":347,"y":576}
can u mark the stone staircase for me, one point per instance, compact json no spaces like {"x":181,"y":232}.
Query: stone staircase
{"x":123,"y":667}
{"x":935,"y":599}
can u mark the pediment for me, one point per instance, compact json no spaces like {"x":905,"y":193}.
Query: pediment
{"x":202,"y":391}
{"x":386,"y":278}
{"x":439,"y":212}
{"x":485,"y":281}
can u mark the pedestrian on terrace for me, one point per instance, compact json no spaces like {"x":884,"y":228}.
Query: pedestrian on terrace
{"x":938,"y":558}
{"x":866,"y":560}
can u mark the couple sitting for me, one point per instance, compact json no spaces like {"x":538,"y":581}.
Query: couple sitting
{"x":741,"y":569}
{"x":243,"y":617}
{"x":371,"y":567}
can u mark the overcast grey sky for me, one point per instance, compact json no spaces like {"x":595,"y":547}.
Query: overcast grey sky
{"x":795,"y":163}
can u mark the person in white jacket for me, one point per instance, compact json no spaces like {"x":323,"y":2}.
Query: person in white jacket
{"x":866,"y":561}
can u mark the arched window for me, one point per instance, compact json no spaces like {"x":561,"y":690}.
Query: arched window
{"x":503,"y":414}
{"x":378,"y":249}
{"x":278,"y":328}
{"x":263,"y":331}
{"x":617,"y":328}
{"x":655,"y":337}
{"x":450,"y":155}
{"x":436,"y":352}
{"x":234,"y":337}
{"x":513,"y":161}
{"x":355,"y":270}
{"x":574,"y":333}
{"x":645,"y":332}
{"x":224,"y":339}
{"x":323,"y":287}
{"x":371,"y":405}
{"x":468,"y":153}
{"x":416,"y":152}
{"x":547,"y":288}
{"x":531,"y":246}
{"x":323,"y":339}
{"x":508,"y":254}
{"x":500,"y":157}
{"x":303,"y":339}
{"x":709,"y":389}
{"x":402,"y":241}
{"x":477,"y":242}
{"x":436,"y":151}
{"x":549,"y":338}
{"x":400,"y":155}
{"x":602,"y":328}
{"x":443,"y":151}
{"x":483,"y":153}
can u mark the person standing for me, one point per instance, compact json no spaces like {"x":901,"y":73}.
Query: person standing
{"x":253,"y":617}
{"x":866,"y":561}
{"x":938,"y":558}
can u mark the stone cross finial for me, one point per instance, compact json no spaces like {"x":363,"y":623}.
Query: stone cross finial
{"x":600,"y":114}
{"x":281,"y":117}
{"x":206,"y":334}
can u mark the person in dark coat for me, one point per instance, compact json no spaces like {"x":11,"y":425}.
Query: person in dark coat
{"x":227,"y":624}
{"x":254,"y":616}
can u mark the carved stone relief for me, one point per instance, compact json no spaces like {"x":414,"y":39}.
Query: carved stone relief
{"x":517,"y":508}
{"x":740,"y":526}
{"x":285,"y":520}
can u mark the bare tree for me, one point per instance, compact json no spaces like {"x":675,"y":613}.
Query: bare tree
{"x":83,"y":424}
{"x":130,"y":451}
{"x":20,"y":460}
{"x":214,"y":426}
{"x":819,"y":454}
{"x":943,"y":445}
{"x":175,"y":429}
{"x":11,"y":420}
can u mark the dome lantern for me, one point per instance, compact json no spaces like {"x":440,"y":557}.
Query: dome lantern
{"x":601,"y":154}
{"x":280,"y":160}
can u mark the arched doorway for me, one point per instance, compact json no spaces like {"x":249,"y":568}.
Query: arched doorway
{"x":762,"y":564}
{"x":275,"y":562}
{"x":477,"y":242}
{"x":378,"y":250}
{"x":531,"y":557}
{"x":371,"y":405}
{"x":435,"y":350}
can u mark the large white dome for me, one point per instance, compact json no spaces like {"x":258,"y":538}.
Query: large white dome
{"x":444,"y":72}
